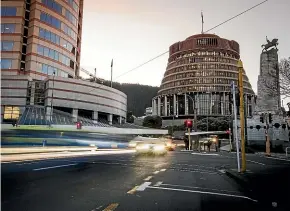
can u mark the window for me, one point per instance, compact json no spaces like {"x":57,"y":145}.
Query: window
{"x":7,"y":27}
{"x":50,"y":20}
{"x":70,"y":17}
{"x":6,"y":63}
{"x":8,"y":11}
{"x":7,"y":45}
{"x":53,"y":5}
{"x":11,"y":112}
{"x":73,"y":5}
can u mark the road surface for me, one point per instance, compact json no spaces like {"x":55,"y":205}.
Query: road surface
{"x":178,"y":181}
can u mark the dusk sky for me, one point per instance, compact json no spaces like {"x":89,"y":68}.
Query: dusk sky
{"x":134,"y":31}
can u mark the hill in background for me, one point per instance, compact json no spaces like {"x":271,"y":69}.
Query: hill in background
{"x":139,"y":96}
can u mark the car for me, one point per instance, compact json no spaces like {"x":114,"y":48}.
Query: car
{"x":154,"y":148}
{"x":170,"y":145}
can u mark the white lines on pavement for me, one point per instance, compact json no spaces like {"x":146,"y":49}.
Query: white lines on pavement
{"x":143,"y":186}
{"x":53,"y":167}
{"x":201,"y":188}
{"x":158,"y":184}
{"x":213,"y":154}
{"x":148,"y":178}
{"x":203,"y":192}
{"x":163,"y":170}
{"x":278,"y":159}
{"x":155,"y":172}
{"x":251,"y":161}
{"x":222,"y":171}
{"x":193,"y":171}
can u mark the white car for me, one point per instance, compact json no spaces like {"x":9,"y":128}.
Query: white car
{"x":156,"y":148}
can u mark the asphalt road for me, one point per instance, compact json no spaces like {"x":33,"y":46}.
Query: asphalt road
{"x":177,"y":181}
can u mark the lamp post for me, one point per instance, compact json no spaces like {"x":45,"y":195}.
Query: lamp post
{"x":51,"y":102}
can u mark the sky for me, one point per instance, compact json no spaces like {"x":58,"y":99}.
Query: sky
{"x":134,"y":31}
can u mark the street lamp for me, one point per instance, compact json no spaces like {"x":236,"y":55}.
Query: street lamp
{"x":51,"y":102}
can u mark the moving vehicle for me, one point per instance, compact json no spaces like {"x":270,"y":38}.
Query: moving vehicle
{"x":152,"y":147}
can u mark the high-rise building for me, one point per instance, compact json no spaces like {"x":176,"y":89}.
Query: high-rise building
{"x":40,"y":63}
{"x":199,"y":72}
{"x":41,"y":37}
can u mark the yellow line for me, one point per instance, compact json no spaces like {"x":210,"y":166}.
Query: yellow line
{"x":148,"y":178}
{"x":133,"y":190}
{"x":111,"y":207}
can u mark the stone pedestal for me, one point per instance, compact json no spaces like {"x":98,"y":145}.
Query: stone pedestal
{"x":268,"y":91}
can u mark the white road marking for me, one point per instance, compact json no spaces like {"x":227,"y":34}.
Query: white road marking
{"x":148,"y":178}
{"x":213,"y":154}
{"x":222,"y":171}
{"x":194,"y":187}
{"x":278,"y":159}
{"x":193,"y":171}
{"x":53,"y":167}
{"x":155,"y":172}
{"x":203,"y":192}
{"x":163,"y":170}
{"x":158,"y":184}
{"x":143,"y":186}
{"x":256,"y":162}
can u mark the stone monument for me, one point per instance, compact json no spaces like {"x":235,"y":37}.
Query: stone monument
{"x":268,"y":96}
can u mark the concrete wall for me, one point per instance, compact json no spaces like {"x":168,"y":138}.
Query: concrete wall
{"x":78,"y":94}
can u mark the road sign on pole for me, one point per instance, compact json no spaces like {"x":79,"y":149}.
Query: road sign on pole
{"x":235,"y":125}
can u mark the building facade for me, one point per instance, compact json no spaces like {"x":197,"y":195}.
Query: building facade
{"x":199,"y":72}
{"x":41,"y":43}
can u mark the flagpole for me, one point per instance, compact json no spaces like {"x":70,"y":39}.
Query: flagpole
{"x":202,"y":22}
{"x":112,"y":73}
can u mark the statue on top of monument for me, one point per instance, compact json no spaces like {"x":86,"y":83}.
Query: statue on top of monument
{"x":270,"y":44}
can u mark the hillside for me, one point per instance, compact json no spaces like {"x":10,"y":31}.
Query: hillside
{"x":139,"y":96}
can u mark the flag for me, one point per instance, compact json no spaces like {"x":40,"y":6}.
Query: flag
{"x":202,"y":17}
{"x":112,"y":63}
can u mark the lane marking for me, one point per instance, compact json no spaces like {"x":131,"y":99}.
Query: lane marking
{"x":193,"y":171}
{"x":158,"y":183}
{"x":155,"y":172}
{"x":111,"y":207}
{"x":163,"y":170}
{"x":143,"y":186}
{"x":222,"y":171}
{"x":277,"y":158}
{"x":133,"y":190}
{"x":53,"y":167}
{"x":194,"y":187}
{"x":204,"y":192}
{"x":195,"y":153}
{"x":256,"y":162}
{"x":148,"y":178}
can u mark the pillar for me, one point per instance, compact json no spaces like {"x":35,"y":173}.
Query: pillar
{"x":110,"y":119}
{"x":158,"y":106}
{"x":154,"y":107}
{"x":75,"y":114}
{"x":197,"y":103}
{"x":177,"y":106}
{"x":95,"y":116}
{"x":185,"y":104}
{"x":32,"y":93}
{"x":224,"y":104}
{"x":210,"y":105}
{"x":174,"y":104}
{"x":120,"y":120}
{"x":165,"y":106}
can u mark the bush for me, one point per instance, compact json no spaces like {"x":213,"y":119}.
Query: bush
{"x":152,"y":122}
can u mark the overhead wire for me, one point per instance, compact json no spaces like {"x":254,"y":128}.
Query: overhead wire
{"x":156,"y":57}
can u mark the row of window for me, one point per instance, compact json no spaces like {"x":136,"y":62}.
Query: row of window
{"x":6,"y":45}
{"x":8,"y":27}
{"x":203,"y":53}
{"x":73,"y":5}
{"x":201,"y":73}
{"x":49,"y":70}
{"x":53,"y":54}
{"x":207,"y":41}
{"x":59,"y":9}
{"x":6,"y":63}
{"x":57,"y":24}
{"x":8,"y":11}
{"x":52,"y":37}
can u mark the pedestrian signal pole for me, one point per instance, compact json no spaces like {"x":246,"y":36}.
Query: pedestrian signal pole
{"x":242,"y":116}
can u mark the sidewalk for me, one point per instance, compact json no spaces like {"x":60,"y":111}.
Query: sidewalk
{"x":270,"y":186}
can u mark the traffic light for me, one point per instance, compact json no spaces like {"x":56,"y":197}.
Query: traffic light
{"x":79,"y":125}
{"x":188,"y":124}
{"x":262,"y":118}
{"x":270,"y":118}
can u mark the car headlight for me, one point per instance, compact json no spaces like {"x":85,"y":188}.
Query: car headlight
{"x":132,"y":144}
{"x":140,"y":147}
{"x":159,"y":147}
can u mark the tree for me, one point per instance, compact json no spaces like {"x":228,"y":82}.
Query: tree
{"x":281,"y":81}
{"x":152,"y":121}
{"x":130,"y":118}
